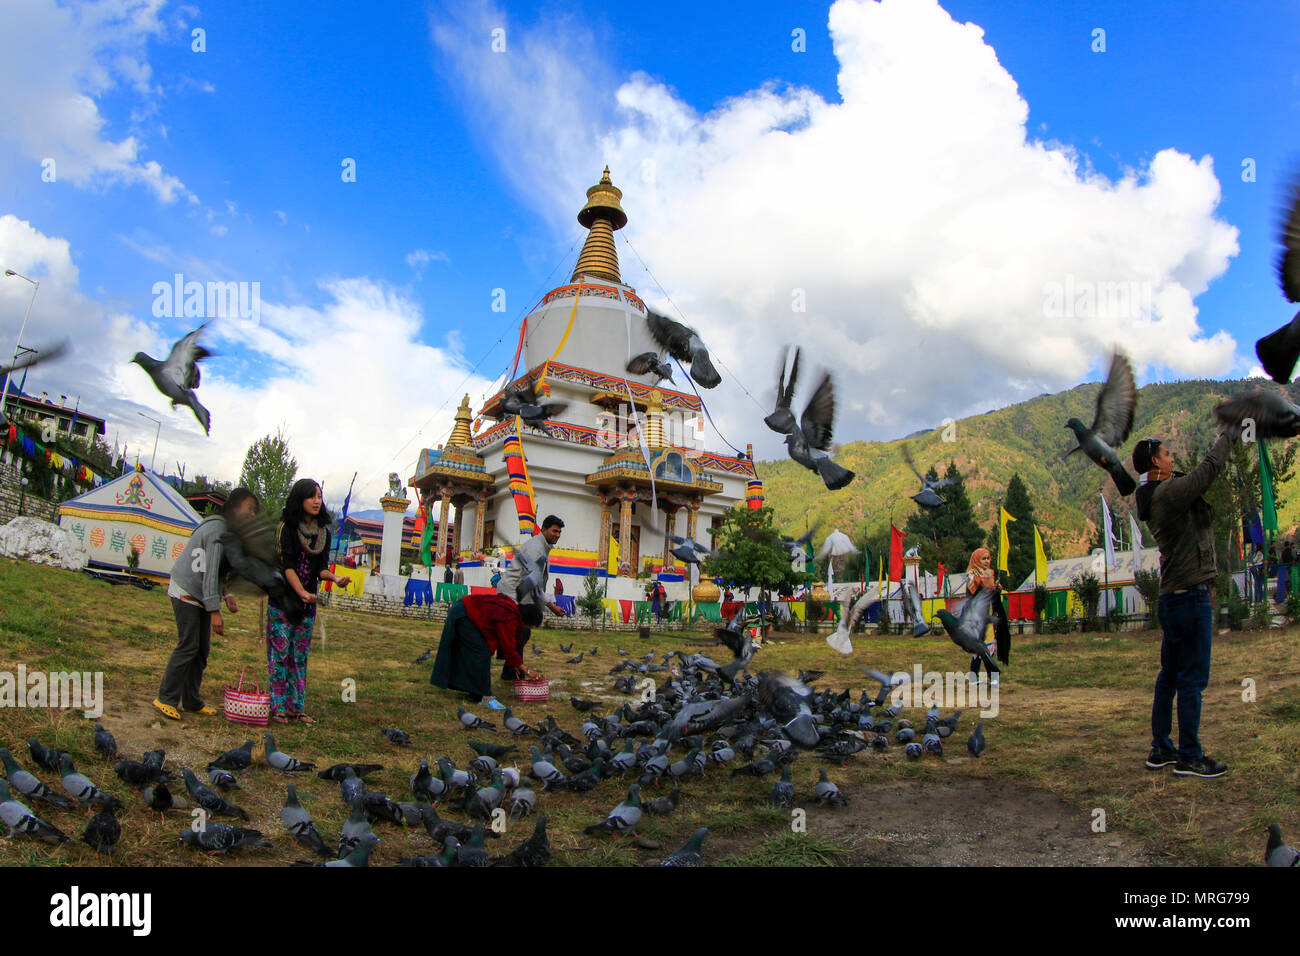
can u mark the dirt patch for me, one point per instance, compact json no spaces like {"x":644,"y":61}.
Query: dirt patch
{"x":959,"y":822}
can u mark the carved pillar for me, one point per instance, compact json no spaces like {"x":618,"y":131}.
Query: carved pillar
{"x":625,"y":533}
{"x":692,"y":513}
{"x":440,"y":554}
{"x":480,"y":513}
{"x":602,"y":546}
{"x":460,"y":521}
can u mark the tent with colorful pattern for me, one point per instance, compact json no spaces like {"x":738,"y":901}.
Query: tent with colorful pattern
{"x":138,"y":511}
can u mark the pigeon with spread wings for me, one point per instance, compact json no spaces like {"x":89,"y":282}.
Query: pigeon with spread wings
{"x":967,"y":629}
{"x":648,"y":363}
{"x":809,"y":441}
{"x":684,"y":344}
{"x":178,"y":376}
{"x":1111,"y":424}
{"x":928,"y":496}
{"x":522,"y":400}
{"x":1279,"y":351}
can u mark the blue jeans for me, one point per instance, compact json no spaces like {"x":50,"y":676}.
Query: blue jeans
{"x":1187,"y":620}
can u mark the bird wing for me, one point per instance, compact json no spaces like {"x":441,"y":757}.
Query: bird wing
{"x":1116,"y":402}
{"x":1273,"y":415}
{"x":672,"y":336}
{"x":644,"y":363}
{"x":181,"y":364}
{"x":975,"y":611}
{"x":819,"y":416}
{"x":35,"y":357}
{"x":1288,"y":262}
{"x":785,"y":387}
{"x":907,"y":457}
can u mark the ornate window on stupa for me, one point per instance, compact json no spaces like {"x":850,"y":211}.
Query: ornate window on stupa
{"x":673,"y":467}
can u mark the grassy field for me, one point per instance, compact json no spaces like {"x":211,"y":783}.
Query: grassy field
{"x":1069,"y":740}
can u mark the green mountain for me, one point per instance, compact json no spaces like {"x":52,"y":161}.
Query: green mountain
{"x":1028,"y":439}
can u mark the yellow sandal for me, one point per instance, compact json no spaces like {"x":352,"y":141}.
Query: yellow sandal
{"x":167,"y":710}
{"x":205,"y":710}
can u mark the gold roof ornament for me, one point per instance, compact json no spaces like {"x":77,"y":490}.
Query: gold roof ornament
{"x":460,"y":432}
{"x":602,"y":215}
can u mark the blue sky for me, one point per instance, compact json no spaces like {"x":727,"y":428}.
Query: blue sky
{"x":483,"y":170}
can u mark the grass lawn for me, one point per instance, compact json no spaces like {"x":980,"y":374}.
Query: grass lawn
{"x":1069,"y":741}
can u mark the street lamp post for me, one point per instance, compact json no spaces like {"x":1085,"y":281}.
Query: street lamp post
{"x":4,"y":394}
{"x":157,"y":431}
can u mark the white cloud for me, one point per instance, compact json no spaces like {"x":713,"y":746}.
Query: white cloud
{"x":56,"y":62}
{"x":282,"y":216}
{"x":348,"y":379}
{"x":417,"y":259}
{"x":924,"y":226}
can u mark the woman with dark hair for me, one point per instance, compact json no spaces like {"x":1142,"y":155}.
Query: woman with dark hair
{"x":303,"y":547}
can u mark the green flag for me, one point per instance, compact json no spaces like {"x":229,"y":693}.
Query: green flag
{"x":1266,"y":489}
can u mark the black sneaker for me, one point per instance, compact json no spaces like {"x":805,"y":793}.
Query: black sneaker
{"x":1204,"y":767}
{"x":1159,"y":758}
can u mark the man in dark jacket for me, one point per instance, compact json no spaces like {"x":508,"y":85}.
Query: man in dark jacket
{"x":1179,"y":518}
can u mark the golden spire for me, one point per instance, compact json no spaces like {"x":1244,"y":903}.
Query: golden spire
{"x":460,"y":433}
{"x":654,"y":420}
{"x":602,"y":215}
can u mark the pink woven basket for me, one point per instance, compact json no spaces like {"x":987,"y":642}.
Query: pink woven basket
{"x":533,"y":690}
{"x":243,"y":707}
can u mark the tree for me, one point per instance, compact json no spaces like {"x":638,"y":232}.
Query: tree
{"x":749,"y":551}
{"x":269,"y":471}
{"x":949,"y":533}
{"x":592,"y":601}
{"x":1020,"y":533}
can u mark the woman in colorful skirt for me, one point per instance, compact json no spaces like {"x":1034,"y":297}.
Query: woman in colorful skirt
{"x":302,"y":546}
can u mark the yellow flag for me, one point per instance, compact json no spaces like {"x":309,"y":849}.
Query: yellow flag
{"x":1040,"y":558}
{"x":612,"y":568}
{"x":1003,"y":546}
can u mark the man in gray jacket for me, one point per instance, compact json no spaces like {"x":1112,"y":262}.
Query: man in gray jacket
{"x":197,"y":588}
{"x":1179,"y":518}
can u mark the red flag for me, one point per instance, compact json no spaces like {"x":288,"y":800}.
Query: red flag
{"x":943,"y":576}
{"x":895,"y":554}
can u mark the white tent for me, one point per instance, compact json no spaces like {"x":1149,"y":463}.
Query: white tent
{"x":139,"y":511}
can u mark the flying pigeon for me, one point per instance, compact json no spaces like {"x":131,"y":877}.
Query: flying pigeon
{"x":81,"y":789}
{"x":919,"y":627}
{"x":689,"y":853}
{"x":623,"y":818}
{"x":683,"y":343}
{"x":300,"y":825}
{"x":651,"y":363}
{"x":782,"y":419}
{"x":1279,"y":350}
{"x":217,"y":838}
{"x":102,"y":832}
{"x":1110,"y":424}
{"x":789,"y":701}
{"x":28,"y":785}
{"x":735,"y":636}
{"x":928,"y":496}
{"x":522,"y":400}
{"x":1273,"y":415}
{"x":975,"y":743}
{"x":967,"y":630}
{"x":1277,"y":853}
{"x":283,"y":762}
{"x":105,"y":745}
{"x":809,"y":441}
{"x":840,"y":639}
{"x":209,"y":799}
{"x":178,"y":376}
{"x":238,"y":759}
{"x":22,"y":822}
{"x":32,"y":357}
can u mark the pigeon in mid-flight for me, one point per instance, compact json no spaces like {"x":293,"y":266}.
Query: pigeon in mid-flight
{"x":651,"y":363}
{"x":789,"y":700}
{"x":31,"y":358}
{"x":178,"y":376}
{"x":684,"y":344}
{"x":928,"y":496}
{"x":782,"y":418}
{"x":1111,"y":424}
{"x":967,"y":629}
{"x":1279,"y":350}
{"x":522,"y":400}
{"x":1272,"y":414}
{"x":808,"y":441}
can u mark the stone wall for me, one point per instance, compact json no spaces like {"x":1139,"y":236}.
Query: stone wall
{"x":11,"y":495}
